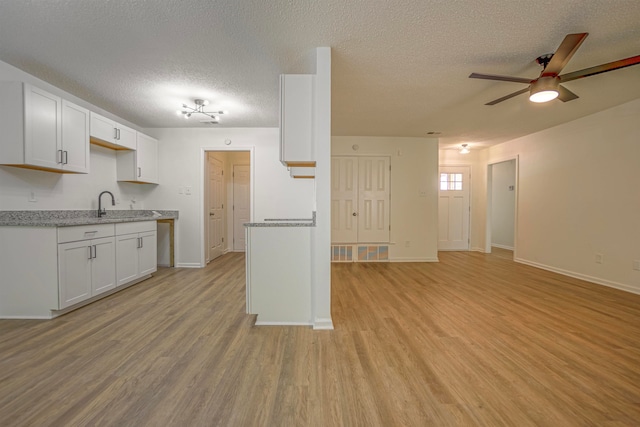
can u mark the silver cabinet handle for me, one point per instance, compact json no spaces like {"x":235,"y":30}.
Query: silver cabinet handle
{"x":141,"y":242}
{"x":90,"y":252}
{"x":66,"y":157}
{"x":59,"y":159}
{"x":139,"y":171}
{"x":118,"y":134}
{"x":95,"y":251}
{"x":115,"y":133}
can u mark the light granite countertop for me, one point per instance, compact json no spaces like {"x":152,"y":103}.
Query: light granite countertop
{"x":61,"y":218}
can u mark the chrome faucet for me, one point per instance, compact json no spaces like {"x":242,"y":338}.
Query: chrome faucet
{"x":103,"y":211}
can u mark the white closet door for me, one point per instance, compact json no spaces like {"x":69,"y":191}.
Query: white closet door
{"x":373,"y":199}
{"x":360,"y":199}
{"x":344,"y":199}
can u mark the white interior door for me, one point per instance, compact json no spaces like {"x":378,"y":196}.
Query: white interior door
{"x":344,"y":199}
{"x":453,"y":208}
{"x":240,"y":205}
{"x":216,"y":212}
{"x":373,"y":199}
{"x":360,"y":199}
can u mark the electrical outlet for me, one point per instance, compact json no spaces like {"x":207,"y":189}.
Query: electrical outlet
{"x":180,"y":190}
{"x":32,"y":197}
{"x":599,"y":258}
{"x":636,"y":264}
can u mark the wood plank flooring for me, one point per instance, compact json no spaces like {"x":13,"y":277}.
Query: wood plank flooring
{"x":473,"y":340}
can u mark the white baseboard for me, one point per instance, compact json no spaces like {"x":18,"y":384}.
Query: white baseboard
{"x":271,"y":323}
{"x":189,"y":265}
{"x":596,"y":280}
{"x":477,"y":249}
{"x":323,"y":324}
{"x":414,"y":260}
{"x":497,"y":245}
{"x":28,"y":316}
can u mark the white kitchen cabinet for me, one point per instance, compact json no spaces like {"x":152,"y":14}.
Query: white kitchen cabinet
{"x":141,"y":165}
{"x":111,"y":134}
{"x":85,"y":269}
{"x":296,"y":120}
{"x":42,"y":131}
{"x":136,"y":249}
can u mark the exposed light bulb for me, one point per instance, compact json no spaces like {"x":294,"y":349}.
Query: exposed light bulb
{"x":464,"y":149}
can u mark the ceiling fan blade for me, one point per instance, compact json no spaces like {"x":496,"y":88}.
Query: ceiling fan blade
{"x":565,"y":51}
{"x":504,"y":98}
{"x":598,"y":69}
{"x":499,"y":78}
{"x":565,"y":94}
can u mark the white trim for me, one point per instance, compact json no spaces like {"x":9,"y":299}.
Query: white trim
{"x":30,"y":317}
{"x":203,"y":158}
{"x":270,"y":323}
{"x":478,"y":249}
{"x":497,"y":245}
{"x":591,"y":279}
{"x":188,"y":265}
{"x":323,"y":324}
{"x":489,"y":200}
{"x":414,"y":260}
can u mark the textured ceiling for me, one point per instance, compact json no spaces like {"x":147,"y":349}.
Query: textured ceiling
{"x":400,"y":68}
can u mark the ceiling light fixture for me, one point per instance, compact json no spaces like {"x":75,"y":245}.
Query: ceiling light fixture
{"x":187,"y":111}
{"x":464,"y":149}
{"x":544,"y":89}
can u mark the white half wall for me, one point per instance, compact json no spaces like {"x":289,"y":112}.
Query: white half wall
{"x":578,"y":196}
{"x":414,"y":190}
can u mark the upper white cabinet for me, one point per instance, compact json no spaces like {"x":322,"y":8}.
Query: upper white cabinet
{"x":296,"y":120}
{"x":110,"y":134}
{"x":141,"y":165}
{"x":42,"y":131}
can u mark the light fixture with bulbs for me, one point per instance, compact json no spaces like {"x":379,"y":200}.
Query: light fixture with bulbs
{"x":464,"y":149}
{"x":187,"y":111}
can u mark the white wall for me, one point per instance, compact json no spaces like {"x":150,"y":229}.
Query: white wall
{"x":578,"y":195}
{"x":55,"y":191}
{"x":414,"y":169}
{"x":503,"y":203}
{"x":181,"y":163}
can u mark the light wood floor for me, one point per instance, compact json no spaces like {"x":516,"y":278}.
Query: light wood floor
{"x":473,"y":340}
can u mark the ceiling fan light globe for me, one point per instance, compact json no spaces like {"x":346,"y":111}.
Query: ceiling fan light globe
{"x":544,"y":96}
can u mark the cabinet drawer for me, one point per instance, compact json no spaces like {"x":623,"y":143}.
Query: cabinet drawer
{"x":84,"y":232}
{"x":135,"y":227}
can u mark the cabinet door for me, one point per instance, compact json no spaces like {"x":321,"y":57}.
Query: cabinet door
{"x":126,"y":258}
{"x":296,"y":119}
{"x":43,"y":133}
{"x":75,"y":138}
{"x":103,"y":265}
{"x":74,"y":272}
{"x":102,"y":128}
{"x":148,"y":253}
{"x":147,"y":159}
{"x":126,"y":137}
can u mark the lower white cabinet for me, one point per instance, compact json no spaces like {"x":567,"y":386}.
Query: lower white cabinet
{"x":85,"y":269}
{"x":136,"y":248}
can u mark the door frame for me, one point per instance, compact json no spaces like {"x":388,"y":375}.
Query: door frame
{"x":489,"y":203}
{"x":202,"y":206}
{"x":233,"y":215}
{"x":470,"y":184}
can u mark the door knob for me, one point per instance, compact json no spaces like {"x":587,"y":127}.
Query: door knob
{"x":212,"y":214}
{"x":354,"y":214}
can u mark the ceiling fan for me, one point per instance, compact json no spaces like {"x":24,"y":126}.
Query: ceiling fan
{"x":547,"y":86}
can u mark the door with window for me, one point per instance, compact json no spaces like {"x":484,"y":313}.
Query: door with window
{"x":453,"y":208}
{"x":360,"y":199}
